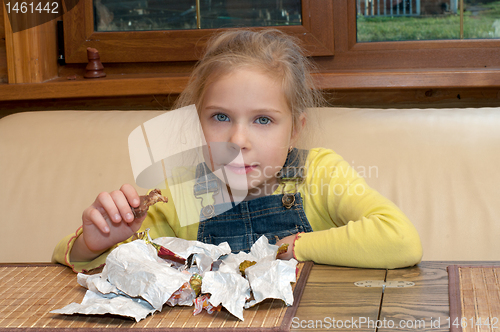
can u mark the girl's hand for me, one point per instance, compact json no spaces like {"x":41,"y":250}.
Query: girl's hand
{"x":110,"y":220}
{"x":289,"y":253}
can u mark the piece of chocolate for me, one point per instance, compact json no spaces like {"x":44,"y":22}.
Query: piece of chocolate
{"x":195,"y":282}
{"x":282,"y":249}
{"x":246,"y":264}
{"x":153,"y":197}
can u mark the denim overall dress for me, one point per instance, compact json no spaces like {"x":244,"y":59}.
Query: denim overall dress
{"x":275,"y":216}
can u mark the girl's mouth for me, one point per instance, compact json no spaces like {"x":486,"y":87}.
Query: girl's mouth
{"x":240,"y":169}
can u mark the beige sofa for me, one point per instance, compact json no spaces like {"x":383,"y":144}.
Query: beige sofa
{"x":440,"y":166}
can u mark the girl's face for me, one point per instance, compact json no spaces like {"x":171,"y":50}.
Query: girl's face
{"x":248,"y":109}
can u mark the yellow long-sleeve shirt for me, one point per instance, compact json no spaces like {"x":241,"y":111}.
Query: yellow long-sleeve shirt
{"x":353,"y":225}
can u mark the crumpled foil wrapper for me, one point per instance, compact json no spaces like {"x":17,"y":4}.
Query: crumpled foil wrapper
{"x":271,"y":279}
{"x":229,"y":289}
{"x":96,"y":284}
{"x":184,"y":248}
{"x":143,"y":276}
{"x":135,"y":282}
{"x":99,"y":304}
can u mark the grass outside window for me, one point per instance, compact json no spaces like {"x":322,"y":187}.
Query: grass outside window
{"x":481,"y":21}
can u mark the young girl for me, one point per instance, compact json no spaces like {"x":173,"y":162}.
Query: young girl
{"x":252,"y":90}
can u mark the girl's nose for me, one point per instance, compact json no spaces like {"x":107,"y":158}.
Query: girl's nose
{"x":240,"y":136}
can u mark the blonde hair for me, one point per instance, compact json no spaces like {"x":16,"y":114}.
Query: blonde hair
{"x":269,"y":51}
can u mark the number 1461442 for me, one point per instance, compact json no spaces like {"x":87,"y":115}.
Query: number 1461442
{"x":32,"y":7}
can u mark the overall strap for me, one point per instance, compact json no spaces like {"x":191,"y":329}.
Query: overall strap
{"x":206,"y":181}
{"x":207,"y":184}
{"x":293,"y":169}
{"x":293,"y":172}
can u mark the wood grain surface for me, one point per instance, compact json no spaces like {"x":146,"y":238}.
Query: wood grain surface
{"x":474,"y":298}
{"x":3,"y":50}
{"x":415,"y":307}
{"x":329,"y":297}
{"x":330,"y":294}
{"x":424,"y":306}
{"x":32,"y":53}
{"x":378,"y":98}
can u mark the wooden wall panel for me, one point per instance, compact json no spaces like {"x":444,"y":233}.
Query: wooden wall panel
{"x":31,"y":53}
{"x":3,"y":51}
{"x":367,"y":98}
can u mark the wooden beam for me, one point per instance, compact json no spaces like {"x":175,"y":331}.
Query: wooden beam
{"x":153,"y":84}
{"x":113,"y":85}
{"x":31,"y":53}
{"x":409,"y":79}
{"x":380,"y":98}
{"x":3,"y":51}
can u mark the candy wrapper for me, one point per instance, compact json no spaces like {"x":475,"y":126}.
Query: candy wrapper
{"x":140,"y":277}
{"x":229,"y":289}
{"x":163,"y":252}
{"x":271,"y":279}
{"x":203,"y":302}
{"x":100,"y":304}
{"x":183,"y":296}
{"x":134,"y":268}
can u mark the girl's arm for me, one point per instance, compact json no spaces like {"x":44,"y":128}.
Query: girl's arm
{"x":354,"y":224}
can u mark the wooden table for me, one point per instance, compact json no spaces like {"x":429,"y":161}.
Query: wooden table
{"x":330,"y":300}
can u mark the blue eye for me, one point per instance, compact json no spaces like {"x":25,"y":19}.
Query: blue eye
{"x":221,"y":117}
{"x":263,"y":120}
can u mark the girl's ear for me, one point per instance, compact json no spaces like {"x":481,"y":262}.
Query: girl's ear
{"x":298,"y":129}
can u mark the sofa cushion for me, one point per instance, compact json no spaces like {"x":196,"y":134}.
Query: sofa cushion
{"x":53,"y":164}
{"x":438,"y":165}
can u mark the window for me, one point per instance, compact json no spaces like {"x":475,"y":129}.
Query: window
{"x":330,"y":32}
{"x":352,"y":55}
{"x":80,"y":24}
{"x":143,"y":15}
{"x":396,"y":20}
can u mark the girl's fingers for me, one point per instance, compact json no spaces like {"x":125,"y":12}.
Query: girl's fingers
{"x":131,"y":195}
{"x":105,"y":200}
{"x":113,"y":207}
{"x":121,"y":202}
{"x":97,"y":218}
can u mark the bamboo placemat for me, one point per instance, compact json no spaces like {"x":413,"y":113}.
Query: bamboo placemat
{"x":28,"y":292}
{"x":474,"y":298}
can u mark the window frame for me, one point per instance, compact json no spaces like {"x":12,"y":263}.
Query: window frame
{"x":404,"y":55}
{"x":316,"y":33}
